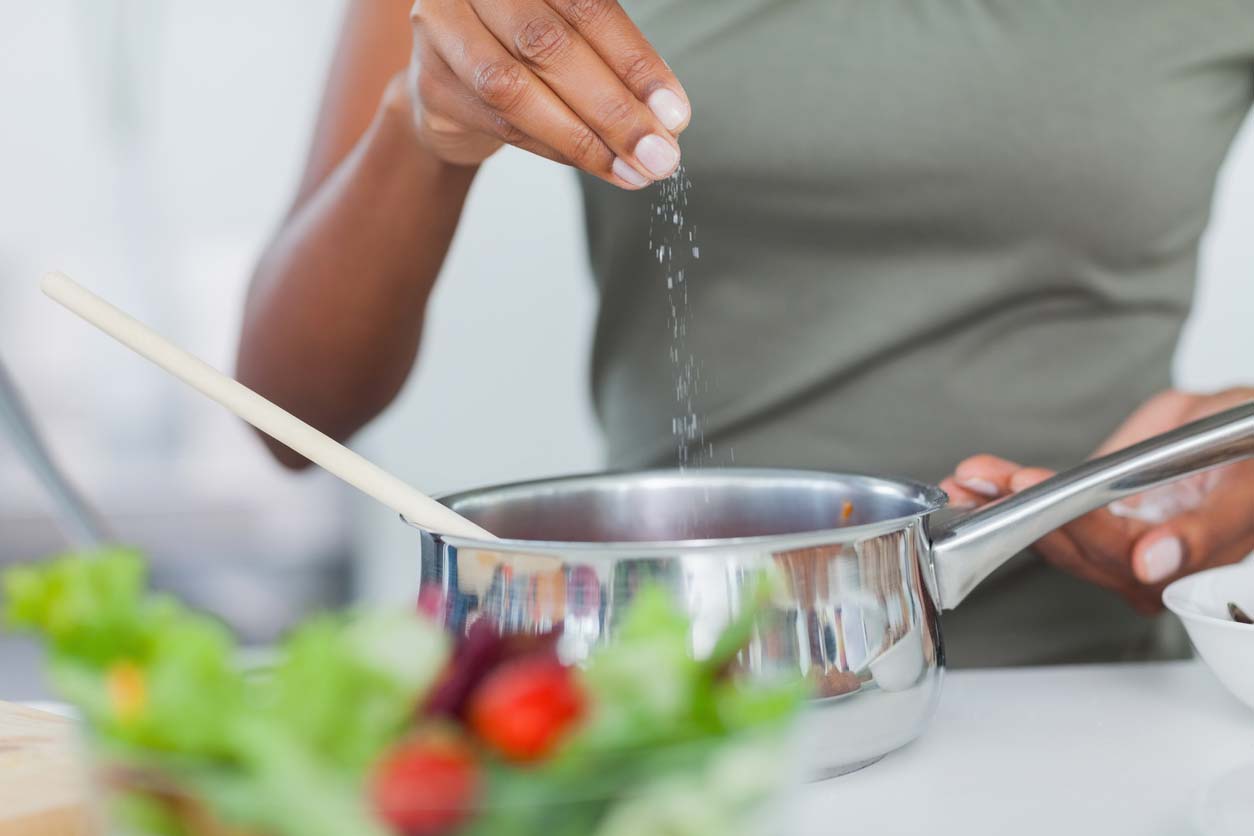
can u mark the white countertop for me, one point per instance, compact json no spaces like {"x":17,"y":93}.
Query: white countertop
{"x":1098,"y":749}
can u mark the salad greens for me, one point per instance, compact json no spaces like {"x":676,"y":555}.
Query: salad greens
{"x":113,"y":646}
{"x":374,"y":723}
{"x":347,"y":687}
{"x":650,"y":691}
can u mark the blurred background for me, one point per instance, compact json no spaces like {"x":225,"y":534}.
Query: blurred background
{"x":148,"y":148}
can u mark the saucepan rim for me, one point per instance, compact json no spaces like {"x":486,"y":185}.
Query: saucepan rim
{"x":929,"y":497}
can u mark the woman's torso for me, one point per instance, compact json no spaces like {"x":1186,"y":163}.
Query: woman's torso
{"x":927,"y":229}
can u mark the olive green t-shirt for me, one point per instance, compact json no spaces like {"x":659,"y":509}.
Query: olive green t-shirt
{"x":928,"y":228}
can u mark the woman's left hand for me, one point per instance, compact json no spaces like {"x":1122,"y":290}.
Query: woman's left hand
{"x":1138,"y":546}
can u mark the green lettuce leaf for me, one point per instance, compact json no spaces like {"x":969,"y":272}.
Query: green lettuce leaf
{"x":349,"y":687}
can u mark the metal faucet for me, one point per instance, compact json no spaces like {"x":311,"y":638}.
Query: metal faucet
{"x":77,"y":520}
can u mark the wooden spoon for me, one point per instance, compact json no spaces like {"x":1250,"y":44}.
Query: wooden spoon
{"x":277,"y":423}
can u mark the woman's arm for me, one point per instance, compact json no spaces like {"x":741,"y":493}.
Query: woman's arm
{"x":335,"y":311}
{"x":334,"y":314}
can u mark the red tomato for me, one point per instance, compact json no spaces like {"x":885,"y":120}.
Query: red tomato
{"x":426,"y":786}
{"x":524,"y":708}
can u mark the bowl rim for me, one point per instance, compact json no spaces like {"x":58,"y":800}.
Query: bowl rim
{"x":1173,"y":598}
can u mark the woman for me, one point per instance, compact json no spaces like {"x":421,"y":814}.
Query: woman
{"x":928,"y":229}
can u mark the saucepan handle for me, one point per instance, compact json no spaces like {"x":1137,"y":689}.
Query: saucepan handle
{"x":966,"y":550}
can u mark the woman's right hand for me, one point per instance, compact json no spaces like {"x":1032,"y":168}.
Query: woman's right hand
{"x":571,"y":80}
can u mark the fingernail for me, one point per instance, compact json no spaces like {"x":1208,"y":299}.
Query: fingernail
{"x":1163,"y":559}
{"x":657,"y":155}
{"x":981,"y":486}
{"x":624,"y":170}
{"x":670,"y":110}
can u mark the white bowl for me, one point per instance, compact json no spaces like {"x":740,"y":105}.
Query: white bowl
{"x":1201,"y":602}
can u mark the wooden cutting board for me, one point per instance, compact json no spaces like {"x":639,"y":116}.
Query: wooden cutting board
{"x":43,"y":784}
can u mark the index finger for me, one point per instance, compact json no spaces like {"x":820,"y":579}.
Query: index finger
{"x":624,"y":48}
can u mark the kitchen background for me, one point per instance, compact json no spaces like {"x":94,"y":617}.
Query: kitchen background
{"x":148,"y":147}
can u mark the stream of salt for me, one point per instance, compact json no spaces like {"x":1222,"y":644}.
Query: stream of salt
{"x":673,"y":241}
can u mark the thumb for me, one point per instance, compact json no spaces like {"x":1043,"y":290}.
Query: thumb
{"x":1187,"y":543}
{"x":1203,"y":535}
{"x":1160,"y":553}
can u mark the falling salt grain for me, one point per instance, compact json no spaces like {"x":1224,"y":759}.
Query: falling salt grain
{"x":667,"y":228}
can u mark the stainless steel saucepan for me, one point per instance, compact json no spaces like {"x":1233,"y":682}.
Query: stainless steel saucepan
{"x":864,"y":574}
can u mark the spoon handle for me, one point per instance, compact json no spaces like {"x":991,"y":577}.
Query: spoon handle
{"x":277,"y":423}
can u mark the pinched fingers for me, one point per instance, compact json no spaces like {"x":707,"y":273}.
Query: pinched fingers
{"x":606,"y":26}
{"x":457,"y":120}
{"x":546,"y":87}
{"x":559,"y":55}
